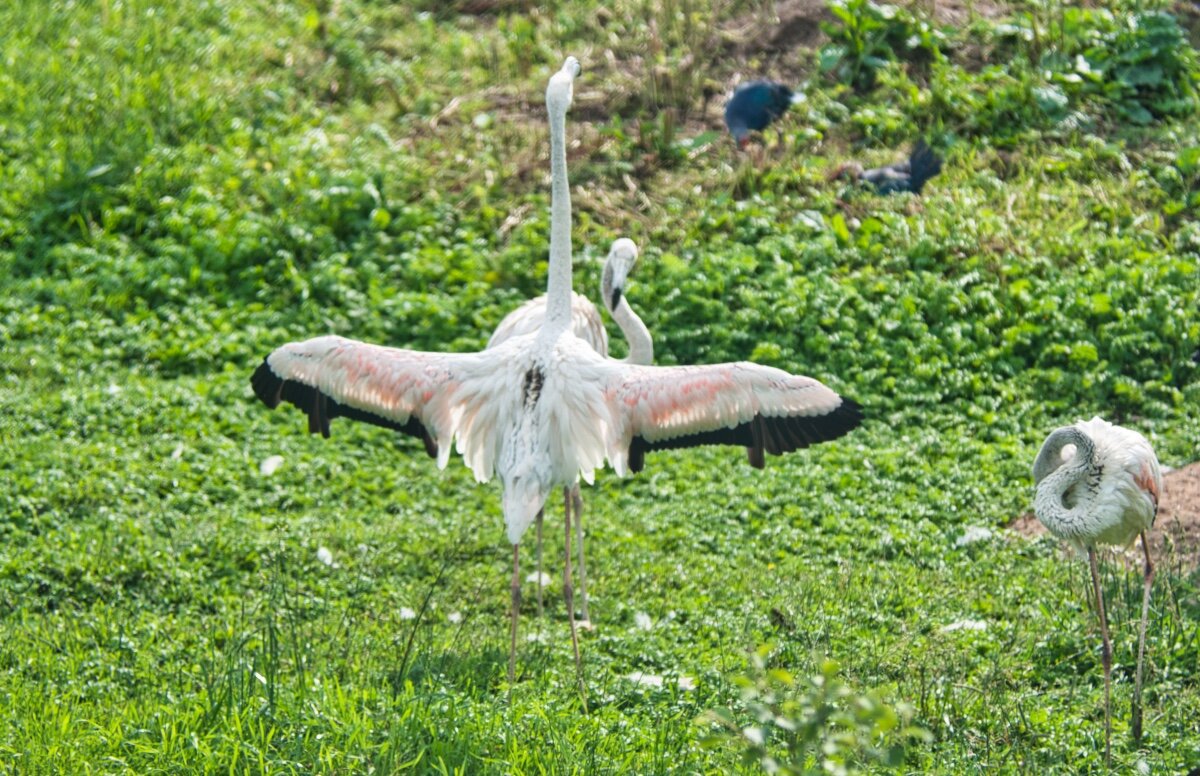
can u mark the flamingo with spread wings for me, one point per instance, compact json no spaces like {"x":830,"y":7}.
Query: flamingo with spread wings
{"x":541,"y":410}
{"x":588,"y":326}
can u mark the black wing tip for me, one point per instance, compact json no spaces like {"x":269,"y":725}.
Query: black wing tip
{"x":848,"y":416}
{"x":762,"y":436}
{"x":850,"y":408}
{"x":923,"y":165}
{"x":637,"y":455}
{"x":271,"y":390}
{"x":268,"y":386}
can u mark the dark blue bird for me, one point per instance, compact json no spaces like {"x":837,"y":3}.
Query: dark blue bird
{"x":753,"y":106}
{"x":922,"y":165}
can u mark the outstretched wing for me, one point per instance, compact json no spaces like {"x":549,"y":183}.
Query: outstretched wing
{"x":329,"y":377}
{"x":758,"y":407}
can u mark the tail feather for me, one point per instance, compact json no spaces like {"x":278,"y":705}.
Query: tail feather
{"x":923,"y":165}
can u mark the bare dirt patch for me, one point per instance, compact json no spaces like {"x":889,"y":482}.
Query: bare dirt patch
{"x":1175,"y":538}
{"x":779,"y":37}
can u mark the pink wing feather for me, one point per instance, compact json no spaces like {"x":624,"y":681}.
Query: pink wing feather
{"x":758,"y":407}
{"x":406,"y":390}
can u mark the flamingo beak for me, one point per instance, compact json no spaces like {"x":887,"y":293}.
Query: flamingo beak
{"x":615,"y":274}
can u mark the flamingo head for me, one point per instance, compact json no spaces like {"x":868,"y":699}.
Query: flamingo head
{"x":559,"y":90}
{"x":621,"y":259}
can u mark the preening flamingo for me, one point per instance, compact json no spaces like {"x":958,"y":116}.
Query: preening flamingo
{"x":1100,"y":484}
{"x":541,"y":410}
{"x":588,"y":326}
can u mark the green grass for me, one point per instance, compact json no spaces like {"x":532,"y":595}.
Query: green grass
{"x":184,"y":189}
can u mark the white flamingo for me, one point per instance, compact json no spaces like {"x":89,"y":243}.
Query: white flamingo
{"x":541,"y":410}
{"x":1100,"y":484}
{"x":588,"y":326}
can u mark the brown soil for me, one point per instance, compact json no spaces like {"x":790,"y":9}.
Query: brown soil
{"x":774,"y":43}
{"x":1188,"y":12}
{"x":1175,"y":538}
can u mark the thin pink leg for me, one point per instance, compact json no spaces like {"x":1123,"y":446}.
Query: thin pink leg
{"x":1136,"y":724}
{"x":538,"y":522}
{"x":569,"y":594}
{"x":1106,"y":657}
{"x":577,"y":500}
{"x":516,"y":607}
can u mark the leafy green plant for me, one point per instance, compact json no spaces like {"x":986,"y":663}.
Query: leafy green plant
{"x":816,"y":725}
{"x":869,"y":36}
{"x":1138,"y":64}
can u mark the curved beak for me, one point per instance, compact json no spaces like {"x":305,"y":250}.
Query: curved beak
{"x":615,"y":299}
{"x":612,"y":283}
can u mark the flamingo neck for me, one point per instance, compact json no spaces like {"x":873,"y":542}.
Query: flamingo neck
{"x":641,"y":344}
{"x":1059,"y":481}
{"x":558,"y":285}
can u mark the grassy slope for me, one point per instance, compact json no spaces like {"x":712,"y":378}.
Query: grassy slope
{"x":183,"y":191}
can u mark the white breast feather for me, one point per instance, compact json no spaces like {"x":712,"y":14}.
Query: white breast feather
{"x":1123,"y":507}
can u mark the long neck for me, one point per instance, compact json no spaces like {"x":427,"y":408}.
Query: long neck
{"x":558,"y":286}
{"x":641,"y":344}
{"x":1054,"y":482}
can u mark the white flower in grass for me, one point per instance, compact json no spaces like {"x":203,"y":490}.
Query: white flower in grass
{"x":973,"y":534}
{"x":655,"y":681}
{"x":114,"y":389}
{"x":177,"y":453}
{"x":972,"y":625}
{"x":325,"y":556}
{"x":269,"y":465}
{"x":454,"y":617}
{"x":644,"y":679}
{"x":407,"y":614}
{"x":643,"y":621}
{"x":532,"y":579}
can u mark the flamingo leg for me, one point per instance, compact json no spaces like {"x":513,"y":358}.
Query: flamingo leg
{"x":1136,"y":724}
{"x":1106,"y":657}
{"x":569,"y":594}
{"x":538,"y":522}
{"x":577,"y":499}
{"x":516,"y":605}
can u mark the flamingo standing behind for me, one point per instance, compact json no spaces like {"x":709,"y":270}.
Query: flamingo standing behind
{"x":1100,"y":484}
{"x":587,"y":325}
{"x":541,"y":410}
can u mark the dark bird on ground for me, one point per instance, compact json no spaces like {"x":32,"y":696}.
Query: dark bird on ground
{"x":754,"y":106}
{"x":911,"y":175}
